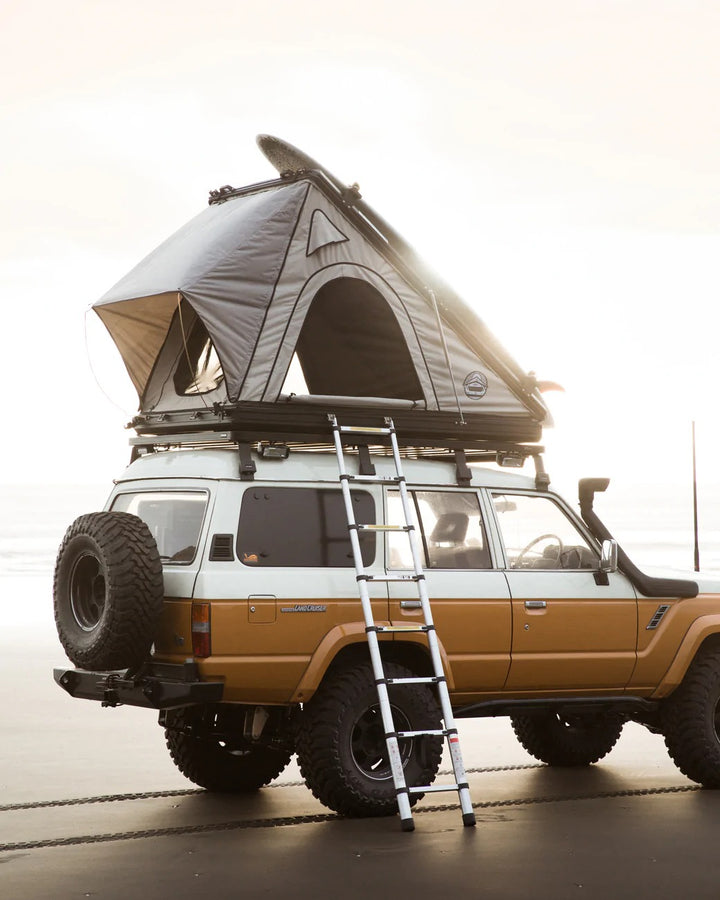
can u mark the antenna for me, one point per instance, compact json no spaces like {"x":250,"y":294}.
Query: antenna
{"x":695,"y":502}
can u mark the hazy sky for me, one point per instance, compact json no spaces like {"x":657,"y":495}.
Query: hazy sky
{"x":556,"y":162}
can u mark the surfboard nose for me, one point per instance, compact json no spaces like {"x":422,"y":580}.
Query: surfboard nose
{"x":283,"y":155}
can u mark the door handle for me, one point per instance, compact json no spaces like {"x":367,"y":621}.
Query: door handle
{"x":535,"y":604}
{"x":410,"y":604}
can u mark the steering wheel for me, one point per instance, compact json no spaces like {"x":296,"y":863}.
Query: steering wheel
{"x":543,"y":537}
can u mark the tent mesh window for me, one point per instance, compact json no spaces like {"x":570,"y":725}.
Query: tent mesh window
{"x":351,"y":345}
{"x":198,"y":370}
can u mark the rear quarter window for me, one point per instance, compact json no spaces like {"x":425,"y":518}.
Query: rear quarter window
{"x":302,"y":527}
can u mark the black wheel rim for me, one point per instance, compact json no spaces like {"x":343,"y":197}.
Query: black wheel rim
{"x":369,"y":748}
{"x":87,"y":592}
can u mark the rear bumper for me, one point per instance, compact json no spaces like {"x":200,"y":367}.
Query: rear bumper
{"x":155,"y":686}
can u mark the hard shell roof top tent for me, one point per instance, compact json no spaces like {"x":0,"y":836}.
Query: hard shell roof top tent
{"x":209,"y":323}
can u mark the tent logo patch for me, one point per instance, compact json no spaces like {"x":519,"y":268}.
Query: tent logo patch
{"x":476,"y":385}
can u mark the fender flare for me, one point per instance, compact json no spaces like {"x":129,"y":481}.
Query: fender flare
{"x":700,"y":630}
{"x":342,"y":636}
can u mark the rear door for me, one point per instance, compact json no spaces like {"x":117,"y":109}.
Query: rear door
{"x":470,"y":599}
{"x":569,"y":632}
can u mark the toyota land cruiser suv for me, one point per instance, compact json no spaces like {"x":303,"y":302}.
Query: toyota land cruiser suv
{"x":219,"y":588}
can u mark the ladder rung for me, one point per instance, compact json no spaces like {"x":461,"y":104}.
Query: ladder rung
{"x":436,"y":733}
{"x":434,"y":788}
{"x":375,"y":479}
{"x":384,"y":527}
{"x":423,"y":679}
{"x":363,"y":429}
{"x":392,"y":577}
{"x":407,"y":628}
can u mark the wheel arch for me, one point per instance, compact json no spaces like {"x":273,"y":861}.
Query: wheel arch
{"x":704,"y":633}
{"x":346,"y":645}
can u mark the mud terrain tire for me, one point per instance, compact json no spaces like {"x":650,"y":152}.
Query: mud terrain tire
{"x":572,"y":741}
{"x":213,"y":763}
{"x":107,"y":591}
{"x":341,"y":744}
{"x":691,"y":720}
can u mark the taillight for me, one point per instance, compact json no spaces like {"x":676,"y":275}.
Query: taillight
{"x":201,"y":629}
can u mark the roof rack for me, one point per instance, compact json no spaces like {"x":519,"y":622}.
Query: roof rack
{"x":506,"y":454}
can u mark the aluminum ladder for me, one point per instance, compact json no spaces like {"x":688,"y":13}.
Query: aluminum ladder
{"x":449,"y":732}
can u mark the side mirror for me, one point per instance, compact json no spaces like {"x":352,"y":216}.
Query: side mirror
{"x":609,"y":556}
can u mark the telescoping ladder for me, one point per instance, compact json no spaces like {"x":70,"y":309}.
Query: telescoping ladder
{"x":449,"y":732}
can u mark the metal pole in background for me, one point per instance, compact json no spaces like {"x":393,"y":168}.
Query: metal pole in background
{"x":695,"y":502}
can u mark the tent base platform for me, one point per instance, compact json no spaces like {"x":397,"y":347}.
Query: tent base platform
{"x":308,"y":423}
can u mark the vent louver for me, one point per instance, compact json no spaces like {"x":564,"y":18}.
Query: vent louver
{"x":658,"y":617}
{"x":221,"y":549}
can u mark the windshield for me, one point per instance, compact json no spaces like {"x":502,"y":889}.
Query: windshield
{"x":174,"y":518}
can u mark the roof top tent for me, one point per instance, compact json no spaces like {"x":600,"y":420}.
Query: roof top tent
{"x":300,"y":268}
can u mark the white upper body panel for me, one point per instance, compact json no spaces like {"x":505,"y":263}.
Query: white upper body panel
{"x":308,"y":466}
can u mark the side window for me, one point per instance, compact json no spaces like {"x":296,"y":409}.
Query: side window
{"x":538,"y":535}
{"x":302,"y":527}
{"x":452,"y":533}
{"x":174,"y":518}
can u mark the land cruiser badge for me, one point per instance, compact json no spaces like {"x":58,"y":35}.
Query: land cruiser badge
{"x":476,"y":385}
{"x":304,"y":607}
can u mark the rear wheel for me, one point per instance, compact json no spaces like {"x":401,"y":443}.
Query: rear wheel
{"x":577,"y":740}
{"x":341,"y":741}
{"x":691,"y":721}
{"x":107,"y":591}
{"x":208,"y":748}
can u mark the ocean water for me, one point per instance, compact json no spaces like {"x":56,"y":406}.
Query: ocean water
{"x":652,"y":522}
{"x":33,"y":520}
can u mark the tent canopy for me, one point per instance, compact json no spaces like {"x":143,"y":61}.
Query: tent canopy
{"x":213,"y":318}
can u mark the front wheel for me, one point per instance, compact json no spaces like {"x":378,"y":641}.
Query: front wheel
{"x":576,"y":740}
{"x":341,"y":741}
{"x":691,"y":721}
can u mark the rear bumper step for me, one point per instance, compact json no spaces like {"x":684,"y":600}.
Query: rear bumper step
{"x":155,"y":686}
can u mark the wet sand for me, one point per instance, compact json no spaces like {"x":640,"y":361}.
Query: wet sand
{"x":91,"y":806}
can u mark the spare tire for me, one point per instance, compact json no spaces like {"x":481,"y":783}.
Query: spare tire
{"x":107,"y":591}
